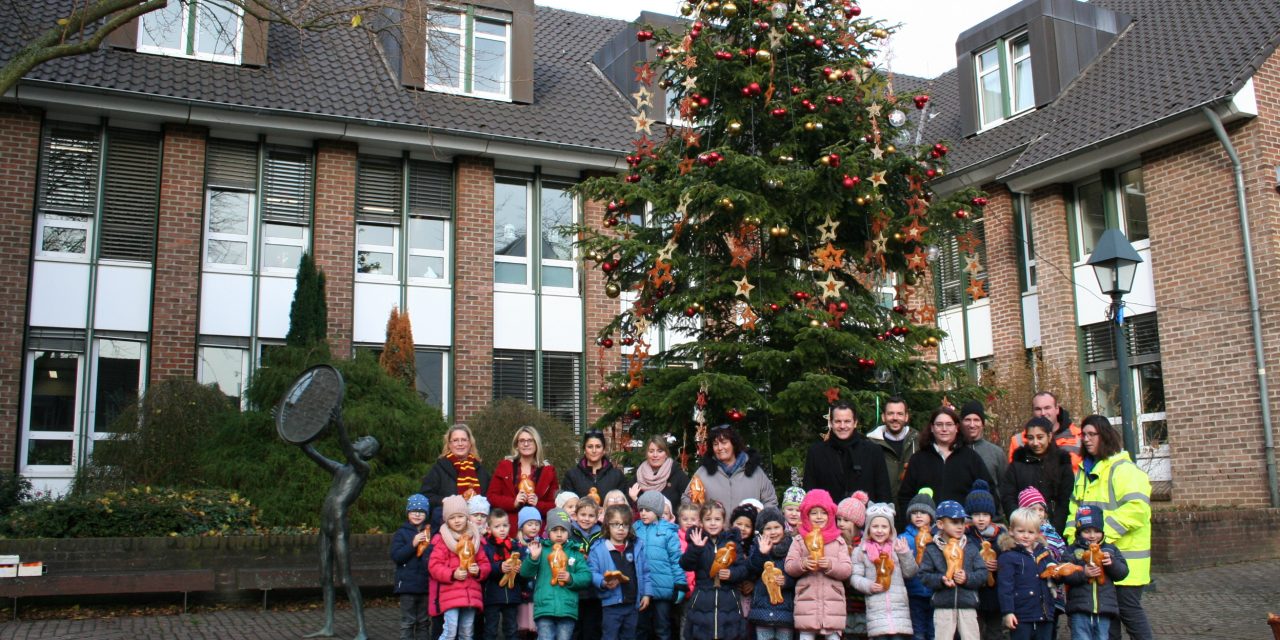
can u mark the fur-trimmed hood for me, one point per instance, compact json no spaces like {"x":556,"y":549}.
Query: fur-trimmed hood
{"x":1025,"y":455}
{"x":1007,"y":541}
{"x":712,"y":466}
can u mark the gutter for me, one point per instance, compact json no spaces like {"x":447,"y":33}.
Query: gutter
{"x":1255,"y":317}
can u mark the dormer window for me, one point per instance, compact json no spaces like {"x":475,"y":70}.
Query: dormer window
{"x":1003,"y":71}
{"x":198,"y":29}
{"x":469,"y":52}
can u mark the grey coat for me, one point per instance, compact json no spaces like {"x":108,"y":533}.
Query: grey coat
{"x":934,"y":567}
{"x":888,"y":612}
{"x":748,"y":481}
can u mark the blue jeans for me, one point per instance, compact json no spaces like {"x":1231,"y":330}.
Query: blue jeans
{"x":620,"y":621}
{"x":550,"y":628}
{"x":656,"y":621}
{"x":500,"y":621}
{"x":921,"y":617}
{"x":459,"y":624}
{"x":773,"y":633}
{"x":1087,"y":626}
{"x":1033,"y":631}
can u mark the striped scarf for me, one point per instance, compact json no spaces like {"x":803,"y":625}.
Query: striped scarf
{"x":468,"y":480}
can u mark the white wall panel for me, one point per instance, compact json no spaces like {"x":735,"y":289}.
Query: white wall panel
{"x":59,"y":294}
{"x":513,"y":320}
{"x":373,"y":304}
{"x":431,"y":312}
{"x":1091,"y":305}
{"x":562,"y":323}
{"x":1031,"y":320}
{"x":226,"y":305}
{"x":275,"y":297}
{"x":124,"y":298}
{"x":979,"y":324}
{"x":951,"y":347}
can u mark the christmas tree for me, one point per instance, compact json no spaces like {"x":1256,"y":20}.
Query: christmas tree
{"x":785,"y":227}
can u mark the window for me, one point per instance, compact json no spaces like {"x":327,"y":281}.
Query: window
{"x":1142,"y":340}
{"x":376,"y":250}
{"x":68,"y":191}
{"x":286,"y":209}
{"x":469,"y":52}
{"x":557,"y":209}
{"x":1004,"y":79}
{"x":1026,"y":242}
{"x":199,"y":29}
{"x":432,"y":371}
{"x":1118,"y":199}
{"x":511,"y":224}
{"x":225,"y":367}
{"x":951,"y":275}
{"x":130,"y":195}
{"x":560,"y":382}
{"x":387,"y":205}
{"x":516,"y":213}
{"x":1091,"y":214}
{"x":118,"y":380}
{"x":53,"y":417}
{"x":238,"y":213}
{"x":1133,"y":204}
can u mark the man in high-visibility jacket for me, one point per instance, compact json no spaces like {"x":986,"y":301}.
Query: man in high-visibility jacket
{"x":1067,"y":436}
{"x":1110,"y":481}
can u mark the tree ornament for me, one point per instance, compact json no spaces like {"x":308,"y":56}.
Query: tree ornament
{"x":728,"y":9}
{"x":812,"y":126}
{"x":628,"y":341}
{"x":921,"y":100}
{"x":607,"y":343}
{"x":961,"y":214}
{"x":778,"y":10}
{"x":979,"y":201}
{"x":763,"y":56}
{"x":725,"y":204}
{"x":849,"y":182}
{"x":734,"y":128}
{"x":612,"y":290}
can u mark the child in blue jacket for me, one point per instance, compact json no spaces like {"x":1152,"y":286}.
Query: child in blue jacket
{"x":1091,"y":598}
{"x":407,"y":546}
{"x":501,"y":603}
{"x":1026,"y":599}
{"x":620,"y":575}
{"x":920,"y":515}
{"x":660,"y":540}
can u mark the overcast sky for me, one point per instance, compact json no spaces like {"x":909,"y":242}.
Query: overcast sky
{"x":925,"y":45}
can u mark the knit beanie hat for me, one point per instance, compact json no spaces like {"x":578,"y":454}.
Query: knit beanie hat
{"x":478,"y":504}
{"x":651,"y":501}
{"x":973,"y":407}
{"x":854,"y":508}
{"x":951,"y":509}
{"x":1089,"y":517}
{"x":922,"y":502}
{"x":793,"y":496}
{"x":452,"y":505}
{"x":564,"y":497}
{"x":417,"y":502}
{"x":528,"y":513}
{"x":980,"y":499}
{"x":770,"y":514}
{"x":880,"y":510}
{"x":558,"y":518}
{"x":747,"y":511}
{"x":1030,"y":496}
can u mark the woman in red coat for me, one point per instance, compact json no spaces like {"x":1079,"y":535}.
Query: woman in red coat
{"x":525,"y":463}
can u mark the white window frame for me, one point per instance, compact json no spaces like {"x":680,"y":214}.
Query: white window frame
{"x":191,"y":32}
{"x":67,"y":221}
{"x":29,"y":434}
{"x":443,"y":254}
{"x":1011,"y":100}
{"x":1030,"y":272}
{"x":393,"y":249}
{"x":302,"y":243}
{"x":248,"y":238}
{"x":1079,"y":215}
{"x":444,"y":373}
{"x":573,"y":263}
{"x":529,"y":193}
{"x":94,"y":434}
{"x":466,"y":49}
{"x":979,"y":73}
{"x":1122,"y":213}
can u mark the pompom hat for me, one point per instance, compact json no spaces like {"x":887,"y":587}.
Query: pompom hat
{"x":854,"y":508}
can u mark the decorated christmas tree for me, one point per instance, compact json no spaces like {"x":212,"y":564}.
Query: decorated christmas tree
{"x":784,"y":227}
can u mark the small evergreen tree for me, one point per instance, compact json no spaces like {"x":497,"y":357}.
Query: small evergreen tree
{"x":397,"y":357}
{"x":309,"y":314}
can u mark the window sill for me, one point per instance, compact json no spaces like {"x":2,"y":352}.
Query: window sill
{"x":429,"y":283}
{"x":200,"y":57}
{"x":71,"y":259}
{"x":226,"y":269}
{"x":494,"y":97}
{"x":375,"y":279}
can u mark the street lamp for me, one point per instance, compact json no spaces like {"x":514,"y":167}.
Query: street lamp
{"x":1115,"y":263}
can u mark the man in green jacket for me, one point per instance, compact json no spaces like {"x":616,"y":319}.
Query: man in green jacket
{"x":555,"y":606}
{"x":896,"y":438}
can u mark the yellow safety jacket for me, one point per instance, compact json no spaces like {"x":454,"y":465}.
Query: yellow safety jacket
{"x":1123,"y":492}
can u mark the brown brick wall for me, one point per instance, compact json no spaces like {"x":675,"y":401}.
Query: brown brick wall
{"x":600,"y":311}
{"x":19,"y":151}
{"x":1206,"y":343}
{"x":175,"y":316}
{"x":335,"y":238}
{"x":1178,"y":538}
{"x":1003,"y":263}
{"x":473,"y":288}
{"x":1057,"y":300}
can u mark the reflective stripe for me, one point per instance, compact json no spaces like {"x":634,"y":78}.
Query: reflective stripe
{"x":1135,"y":497}
{"x":1115,"y":525}
{"x":1137,"y":555}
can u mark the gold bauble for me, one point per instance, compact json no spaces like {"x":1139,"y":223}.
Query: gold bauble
{"x":734,"y":128}
{"x":612,"y":290}
{"x":880,"y":33}
{"x":686,"y":9}
{"x":729,"y":9}
{"x":783,"y":231}
{"x":713,"y":7}
{"x":825,"y":161}
{"x":814,"y":323}
{"x":763,"y":56}
{"x":860,"y":200}
{"x":833,"y":76}
{"x":725,"y":203}
{"x":810,"y":126}
{"x":890,"y":149}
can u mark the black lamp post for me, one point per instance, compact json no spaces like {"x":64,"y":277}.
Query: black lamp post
{"x":1115,"y":263}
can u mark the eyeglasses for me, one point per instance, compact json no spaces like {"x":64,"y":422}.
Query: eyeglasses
{"x":618,"y":525}
{"x":524,"y":441}
{"x":1089,"y":434}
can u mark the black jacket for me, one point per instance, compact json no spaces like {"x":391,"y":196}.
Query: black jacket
{"x":677,"y":482}
{"x":580,"y":480}
{"x":842,"y":468}
{"x":950,"y":480}
{"x":1028,"y":470}
{"x":442,"y":481}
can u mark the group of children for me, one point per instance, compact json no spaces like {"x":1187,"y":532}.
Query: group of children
{"x":813,"y":569}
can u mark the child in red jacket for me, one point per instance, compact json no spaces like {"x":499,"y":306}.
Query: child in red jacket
{"x":456,"y":590}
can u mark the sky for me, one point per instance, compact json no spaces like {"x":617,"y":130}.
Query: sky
{"x":924,"y":46}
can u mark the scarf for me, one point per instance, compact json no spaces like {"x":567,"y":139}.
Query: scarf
{"x":468,"y":480}
{"x":737,"y":464}
{"x":501,"y":548}
{"x":875,"y":549}
{"x":451,"y":539}
{"x":650,"y":479}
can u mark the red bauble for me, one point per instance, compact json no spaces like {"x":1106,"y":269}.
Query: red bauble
{"x":746,"y":92}
{"x":644,"y":35}
{"x":611,"y":221}
{"x":633,"y":178}
{"x":931,"y":173}
{"x":755,"y":89}
{"x":773,"y":306}
{"x":690,"y":311}
{"x":795,"y":91}
{"x":843,"y":306}
{"x":921,"y":100}
{"x":979,"y":201}
{"x":779,"y":113}
{"x":941,"y":148}
{"x":704,"y":101}
{"x":833,"y":160}
{"x":613,"y":205}
{"x":819,"y":43}
{"x":628,"y":341}
{"x":852,"y":11}
{"x":849,"y":182}
{"x":607,"y":343}
{"x":961,"y":214}
{"x":935,"y":154}
{"x":635,"y":413}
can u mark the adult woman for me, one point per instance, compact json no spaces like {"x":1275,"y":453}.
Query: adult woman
{"x":943,"y":461}
{"x":457,"y":472}
{"x":594,"y":473}
{"x":524,"y":463}
{"x":1041,"y":464}
{"x":659,"y":472}
{"x":1110,"y":481}
{"x":731,"y":472}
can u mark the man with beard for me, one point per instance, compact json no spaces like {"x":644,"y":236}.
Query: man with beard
{"x":896,"y":439}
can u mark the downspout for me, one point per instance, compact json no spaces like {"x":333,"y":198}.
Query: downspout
{"x":1255,"y":317}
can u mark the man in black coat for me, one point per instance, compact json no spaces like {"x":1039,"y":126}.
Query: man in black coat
{"x":845,"y":461}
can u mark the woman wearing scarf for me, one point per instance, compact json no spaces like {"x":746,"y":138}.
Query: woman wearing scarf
{"x":524,"y":466}
{"x":458,"y":472}
{"x":594,"y":474}
{"x":659,"y":473}
{"x":731,"y":472}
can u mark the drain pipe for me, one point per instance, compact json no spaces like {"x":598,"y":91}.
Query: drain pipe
{"x":1255,"y":315}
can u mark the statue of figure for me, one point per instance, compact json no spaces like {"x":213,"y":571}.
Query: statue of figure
{"x":335,"y":526}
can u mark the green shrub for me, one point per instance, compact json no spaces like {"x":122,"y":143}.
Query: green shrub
{"x":14,"y":490}
{"x":136,"y":512}
{"x":494,"y":426}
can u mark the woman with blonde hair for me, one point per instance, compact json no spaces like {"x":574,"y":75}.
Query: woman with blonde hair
{"x":457,"y":472}
{"x":524,"y":478}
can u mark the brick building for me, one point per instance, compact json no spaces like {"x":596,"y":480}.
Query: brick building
{"x":1081,"y":117}
{"x":159,"y":192}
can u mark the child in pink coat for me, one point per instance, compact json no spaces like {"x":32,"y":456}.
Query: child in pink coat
{"x":820,"y":601}
{"x":456,"y":592}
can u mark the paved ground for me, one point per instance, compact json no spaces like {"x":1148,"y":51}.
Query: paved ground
{"x":1229,"y":602}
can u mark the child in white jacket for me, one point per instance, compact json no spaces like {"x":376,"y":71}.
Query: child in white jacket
{"x":888,"y":610}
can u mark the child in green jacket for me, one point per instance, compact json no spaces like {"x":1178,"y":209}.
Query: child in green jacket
{"x":555,"y":606}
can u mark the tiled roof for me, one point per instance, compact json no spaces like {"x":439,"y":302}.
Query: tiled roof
{"x":341,"y":73}
{"x":1176,"y":56}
